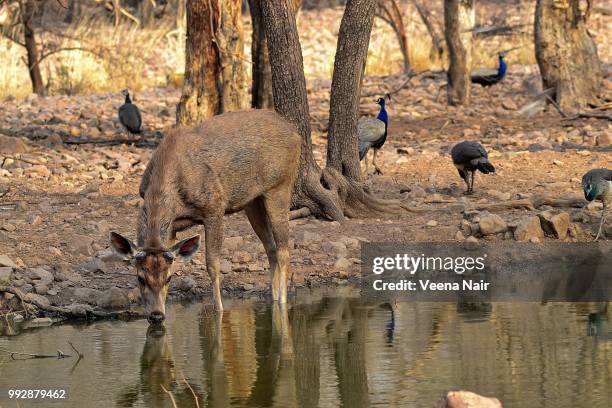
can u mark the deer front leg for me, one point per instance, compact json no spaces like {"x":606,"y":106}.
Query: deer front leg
{"x":213,"y":228}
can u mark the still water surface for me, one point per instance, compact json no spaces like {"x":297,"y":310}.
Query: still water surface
{"x":326,"y":350}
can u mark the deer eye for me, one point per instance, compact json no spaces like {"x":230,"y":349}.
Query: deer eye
{"x":141,"y":280}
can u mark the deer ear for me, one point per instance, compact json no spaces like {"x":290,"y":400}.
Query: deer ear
{"x":122,"y":246}
{"x":186,"y":248}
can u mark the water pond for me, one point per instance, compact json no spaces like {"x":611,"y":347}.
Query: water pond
{"x":324,"y":349}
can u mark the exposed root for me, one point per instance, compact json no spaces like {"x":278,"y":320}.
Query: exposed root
{"x":299,"y":213}
{"x":70,"y":313}
{"x":534,"y":202}
{"x":327,"y":193}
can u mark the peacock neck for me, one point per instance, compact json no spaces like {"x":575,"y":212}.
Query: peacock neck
{"x":128,"y":99}
{"x":382,"y":115}
{"x":501,"y":71}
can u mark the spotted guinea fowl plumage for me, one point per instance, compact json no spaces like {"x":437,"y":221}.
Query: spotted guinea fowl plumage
{"x":469,"y":157}
{"x":129,"y":115}
{"x":597,"y":185}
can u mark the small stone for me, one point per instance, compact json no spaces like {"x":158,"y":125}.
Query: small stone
{"x":40,"y":322}
{"x":459,"y":236}
{"x":528,"y":228}
{"x":183,"y":283}
{"x":304,"y":237}
{"x":336,"y":248}
{"x":467,"y":399}
{"x":17,"y":318}
{"x":5,"y":274}
{"x":342,"y":264}
{"x":604,"y":139}
{"x":35,"y":220}
{"x":41,"y":275}
{"x":41,"y":289}
{"x":6,"y":261}
{"x":37,"y":300}
{"x":113,"y":298}
{"x":556,"y":225}
{"x":509,"y":104}
{"x":79,"y":309}
{"x":8,"y":227}
{"x":492,"y":224}
{"x":37,"y":170}
{"x":55,"y":251}
{"x":87,"y":295}
{"x":241,"y":257}
{"x":233,"y":243}
{"x":226,"y":266}
{"x":432,"y":223}
{"x":12,"y":145}
{"x":558,"y":163}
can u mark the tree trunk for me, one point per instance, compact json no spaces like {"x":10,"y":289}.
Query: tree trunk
{"x":326,"y":193}
{"x":459,"y":17}
{"x":566,"y":52}
{"x":214,"y":69}
{"x":351,"y":54}
{"x":28,"y":11}
{"x":74,"y":11}
{"x":436,"y":41}
{"x":261,"y":82}
{"x":261,"y":78}
{"x":389,"y":11}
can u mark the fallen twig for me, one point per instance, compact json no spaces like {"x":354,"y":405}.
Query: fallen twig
{"x":533,"y":203}
{"x":566,"y":116}
{"x":170,"y":395}
{"x":299,"y":213}
{"x":115,"y":142}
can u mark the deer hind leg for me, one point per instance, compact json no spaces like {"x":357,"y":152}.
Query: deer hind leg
{"x":213,"y":228}
{"x":256,"y":213}
{"x":277,"y":203}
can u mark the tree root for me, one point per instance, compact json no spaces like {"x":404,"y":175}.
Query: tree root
{"x":535,"y":202}
{"x":329,"y":194}
{"x":71,"y":314}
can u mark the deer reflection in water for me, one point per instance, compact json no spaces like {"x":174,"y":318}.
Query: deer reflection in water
{"x":157,"y":374}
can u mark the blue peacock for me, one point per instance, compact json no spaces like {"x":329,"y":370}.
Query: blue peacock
{"x":372,"y":133}
{"x":488,"y":76}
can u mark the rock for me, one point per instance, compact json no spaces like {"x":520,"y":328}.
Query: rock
{"x":556,"y":225}
{"x":39,"y":274}
{"x":241,"y":257}
{"x":37,"y":170}
{"x":113,"y":298}
{"x":492,"y":224}
{"x":459,"y":236}
{"x":79,"y":309}
{"x":233,"y":243}
{"x":432,"y":223}
{"x":92,"y":187}
{"x":604,"y":139}
{"x":5,"y":275}
{"x":499,"y":195}
{"x":305,"y":237}
{"x":183,"y":283}
{"x":6,"y":261}
{"x":509,"y":104}
{"x":8,"y":227}
{"x":467,"y":399}
{"x":37,"y":300}
{"x":342,"y":264}
{"x":12,"y":145}
{"x":87,"y":295}
{"x":350,"y":242}
{"x":226,"y":266}
{"x":336,"y":248}
{"x":41,"y":288}
{"x":80,"y":244}
{"x":528,"y":228}
{"x":40,"y":322}
{"x":17,"y":318}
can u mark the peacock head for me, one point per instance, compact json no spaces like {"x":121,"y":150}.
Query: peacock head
{"x":126,"y":95}
{"x":381,"y":101}
{"x":590,"y":190}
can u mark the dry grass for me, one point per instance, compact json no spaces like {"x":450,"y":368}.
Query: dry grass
{"x":93,"y":56}
{"x":103,"y":58}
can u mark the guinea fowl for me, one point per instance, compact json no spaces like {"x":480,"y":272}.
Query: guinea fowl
{"x":597,"y":185}
{"x":372,"y":133}
{"x":129,"y":115}
{"x":468,"y":157}
{"x":487,"y":76}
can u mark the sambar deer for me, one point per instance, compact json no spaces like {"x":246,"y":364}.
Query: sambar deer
{"x":240,"y":160}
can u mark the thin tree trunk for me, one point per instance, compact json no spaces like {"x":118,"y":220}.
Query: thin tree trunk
{"x":390,"y":12}
{"x":459,"y":17}
{"x":351,"y":54}
{"x":436,"y":41}
{"x":28,"y":11}
{"x":566,"y":52}
{"x":214,"y":69}
{"x":261,"y":82}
